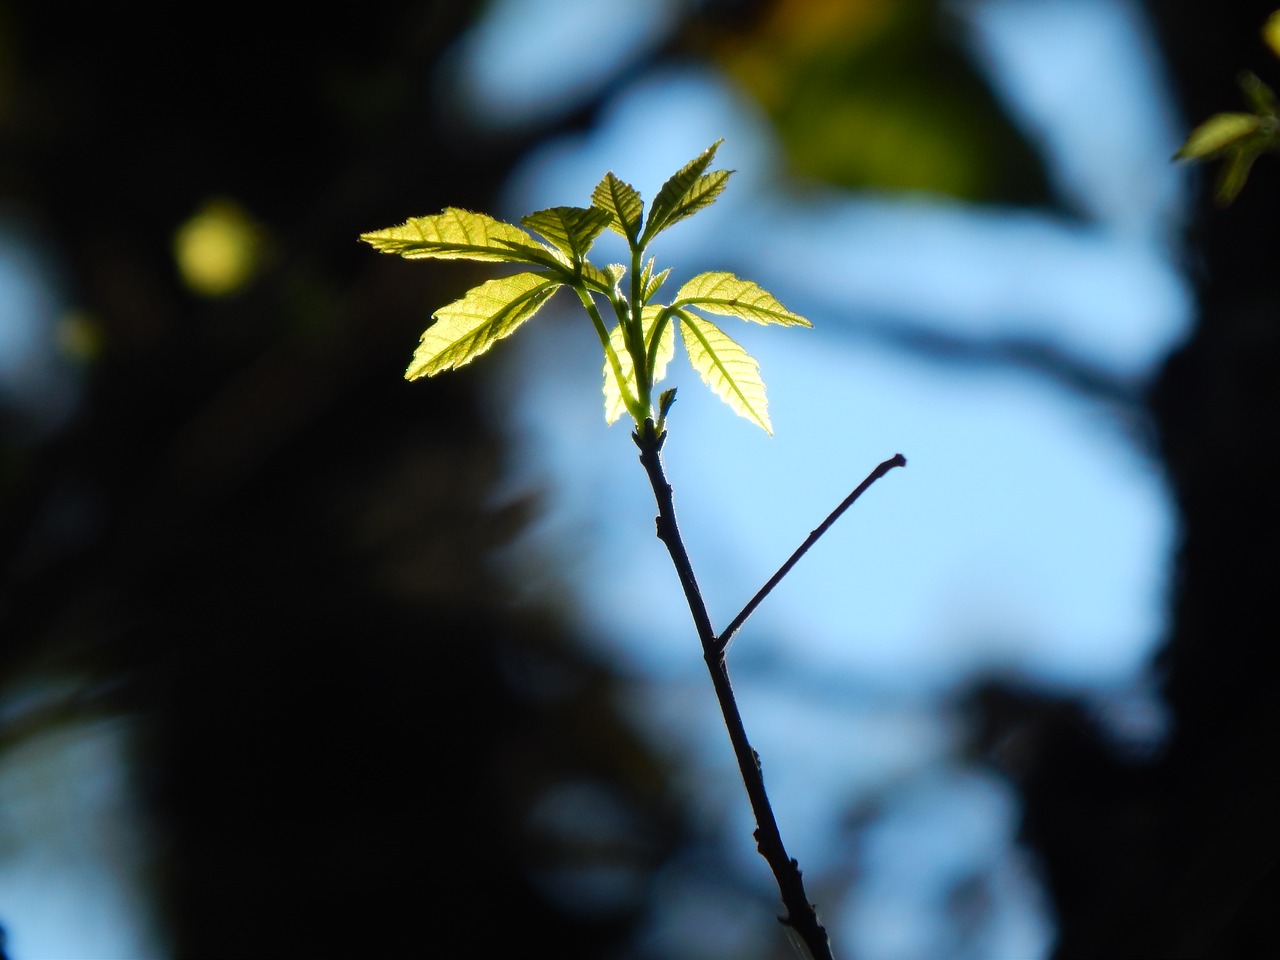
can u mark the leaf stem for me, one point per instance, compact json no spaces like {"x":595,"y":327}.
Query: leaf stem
{"x":597,"y":321}
{"x":722,"y":642}
{"x":635,"y":336}
{"x":801,"y":915}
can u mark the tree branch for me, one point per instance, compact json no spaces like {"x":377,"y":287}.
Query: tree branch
{"x":897,"y":460}
{"x":801,"y":915}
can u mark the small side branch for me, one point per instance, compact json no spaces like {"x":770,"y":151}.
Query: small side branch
{"x":897,"y":460}
{"x":801,"y":915}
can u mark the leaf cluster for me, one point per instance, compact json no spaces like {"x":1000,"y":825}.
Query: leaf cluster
{"x":639,"y":338}
{"x":1239,"y":138}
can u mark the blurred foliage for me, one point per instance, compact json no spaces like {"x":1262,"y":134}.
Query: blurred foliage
{"x":1238,"y":139}
{"x":1174,"y":853}
{"x":219,"y":249}
{"x":880,"y":94}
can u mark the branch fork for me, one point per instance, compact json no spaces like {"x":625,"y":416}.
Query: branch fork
{"x":801,"y":916}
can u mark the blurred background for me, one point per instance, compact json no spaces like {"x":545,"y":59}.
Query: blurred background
{"x":297,"y":658}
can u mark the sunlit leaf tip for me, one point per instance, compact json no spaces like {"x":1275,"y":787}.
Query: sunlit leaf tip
{"x":686,"y":192}
{"x":456,"y":234}
{"x":723,"y":293}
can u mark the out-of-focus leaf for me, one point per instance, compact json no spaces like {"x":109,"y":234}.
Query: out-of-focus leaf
{"x":468,"y":327}
{"x":883,"y":95}
{"x":1271,"y":32}
{"x":1235,"y":172}
{"x":731,"y":373}
{"x":1217,"y":134}
{"x":456,"y":234}
{"x":1261,"y":98}
{"x":723,"y":293}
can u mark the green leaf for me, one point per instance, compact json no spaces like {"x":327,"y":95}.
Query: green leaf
{"x":1217,"y":134}
{"x":468,"y":327}
{"x":665,"y":400}
{"x":614,"y":407}
{"x":731,"y":373}
{"x":605,"y":279}
{"x":620,"y":200}
{"x":572,"y":230}
{"x":456,"y":234}
{"x":650,"y":284}
{"x":1261,"y":98}
{"x":723,"y":293}
{"x":1235,"y":171}
{"x":686,"y":192}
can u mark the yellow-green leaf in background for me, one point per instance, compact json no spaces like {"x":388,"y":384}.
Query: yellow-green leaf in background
{"x":614,"y":406}
{"x":723,"y":293}
{"x":1235,"y":172}
{"x":1217,"y":134}
{"x":455,"y":234}
{"x":1271,"y":32}
{"x":1260,"y":97}
{"x":468,"y":327}
{"x":731,"y":373}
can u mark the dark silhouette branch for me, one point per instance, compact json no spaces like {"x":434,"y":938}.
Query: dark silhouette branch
{"x":722,"y":642}
{"x":801,"y":915}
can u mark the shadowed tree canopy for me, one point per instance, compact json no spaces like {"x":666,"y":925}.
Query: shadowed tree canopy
{"x":256,"y":540}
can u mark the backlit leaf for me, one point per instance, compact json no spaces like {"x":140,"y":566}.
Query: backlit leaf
{"x":686,"y":192}
{"x":731,"y":373}
{"x":456,"y":234}
{"x":468,"y":327}
{"x":572,"y":230}
{"x":604,"y":279}
{"x":723,"y":293}
{"x":651,"y":283}
{"x":620,"y":200}
{"x":1216,"y":134}
{"x":614,"y":407}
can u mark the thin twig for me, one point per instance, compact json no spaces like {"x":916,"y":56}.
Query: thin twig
{"x":897,"y":460}
{"x":801,"y":915}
